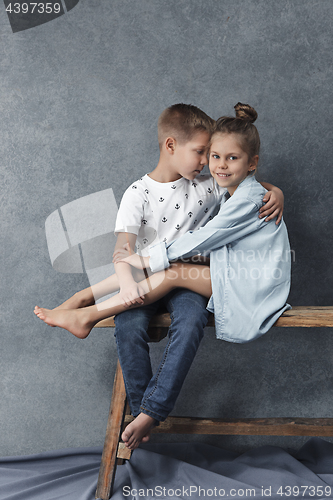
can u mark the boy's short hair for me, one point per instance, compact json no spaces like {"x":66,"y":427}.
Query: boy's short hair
{"x":183,"y":121}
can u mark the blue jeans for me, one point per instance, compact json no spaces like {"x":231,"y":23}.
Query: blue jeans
{"x":156,"y":394}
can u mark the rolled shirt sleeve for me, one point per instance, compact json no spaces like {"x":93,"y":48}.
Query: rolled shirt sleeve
{"x":237,"y":218}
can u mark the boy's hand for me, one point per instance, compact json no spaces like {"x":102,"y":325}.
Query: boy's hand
{"x":125,"y":254}
{"x":132,"y":294}
{"x":273,"y":207}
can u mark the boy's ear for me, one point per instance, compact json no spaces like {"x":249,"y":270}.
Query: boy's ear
{"x":170,"y":145}
{"x":253,"y":163}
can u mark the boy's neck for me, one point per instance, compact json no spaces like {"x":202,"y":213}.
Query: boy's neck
{"x":164,"y":172}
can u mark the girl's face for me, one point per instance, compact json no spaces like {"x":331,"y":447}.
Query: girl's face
{"x":228,"y":163}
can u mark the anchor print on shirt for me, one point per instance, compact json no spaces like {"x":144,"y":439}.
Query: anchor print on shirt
{"x":164,"y":219}
{"x":173,"y":187}
{"x":209,"y":190}
{"x":161,"y":199}
{"x":200,"y":202}
{"x":177,"y":227}
{"x":177,"y":207}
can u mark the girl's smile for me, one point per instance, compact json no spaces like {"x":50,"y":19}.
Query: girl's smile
{"x":228,"y":163}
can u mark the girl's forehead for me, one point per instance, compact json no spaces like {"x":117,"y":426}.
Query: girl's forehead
{"x":221,"y":139}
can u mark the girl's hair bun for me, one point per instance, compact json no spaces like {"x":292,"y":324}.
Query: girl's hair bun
{"x":245,"y":112}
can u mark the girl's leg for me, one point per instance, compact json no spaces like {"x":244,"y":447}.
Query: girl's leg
{"x":88,"y":296}
{"x":79,"y":322}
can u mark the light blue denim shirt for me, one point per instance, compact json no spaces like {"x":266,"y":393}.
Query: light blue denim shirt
{"x":249,"y":264}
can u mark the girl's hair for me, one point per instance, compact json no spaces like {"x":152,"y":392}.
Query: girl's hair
{"x":242,"y":125}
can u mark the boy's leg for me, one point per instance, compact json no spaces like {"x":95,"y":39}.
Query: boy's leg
{"x":189,"y":317}
{"x":133,"y":351}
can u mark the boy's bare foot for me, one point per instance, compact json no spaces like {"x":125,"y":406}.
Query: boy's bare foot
{"x":138,"y":431}
{"x":74,"y":320}
{"x":83,"y":298}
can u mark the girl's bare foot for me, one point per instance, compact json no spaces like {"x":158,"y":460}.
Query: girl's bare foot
{"x":74,"y":320}
{"x":84,"y":298}
{"x":138,"y":431}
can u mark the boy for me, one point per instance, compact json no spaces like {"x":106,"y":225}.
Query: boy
{"x":163,"y":205}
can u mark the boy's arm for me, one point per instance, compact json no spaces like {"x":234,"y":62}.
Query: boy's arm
{"x":130,"y":292}
{"x":274,"y":201}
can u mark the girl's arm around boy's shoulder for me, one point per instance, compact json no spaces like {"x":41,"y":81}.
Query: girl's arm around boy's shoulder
{"x":274,"y":202}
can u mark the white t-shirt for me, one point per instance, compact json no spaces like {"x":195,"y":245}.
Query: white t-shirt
{"x":158,"y":211}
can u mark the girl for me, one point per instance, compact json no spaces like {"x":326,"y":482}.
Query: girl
{"x":249,"y":276}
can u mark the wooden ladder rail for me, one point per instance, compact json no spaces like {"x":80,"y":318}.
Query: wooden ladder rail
{"x":299,"y":316}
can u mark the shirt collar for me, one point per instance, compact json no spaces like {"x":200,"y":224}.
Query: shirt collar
{"x":248,"y":180}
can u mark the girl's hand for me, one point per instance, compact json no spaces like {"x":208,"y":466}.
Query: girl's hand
{"x":273,"y":207}
{"x":132,"y":294}
{"x":125,"y":254}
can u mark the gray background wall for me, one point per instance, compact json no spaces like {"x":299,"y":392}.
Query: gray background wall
{"x":79,"y":99}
